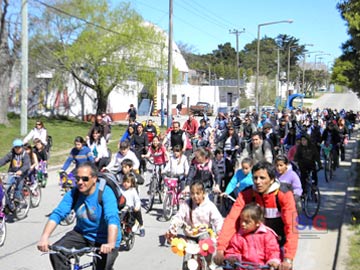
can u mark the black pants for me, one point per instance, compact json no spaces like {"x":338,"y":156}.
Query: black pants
{"x":76,"y":240}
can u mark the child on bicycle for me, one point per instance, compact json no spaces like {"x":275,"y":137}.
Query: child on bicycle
{"x":159,"y":154}
{"x":195,"y":216}
{"x":242,"y":178}
{"x":33,"y":163}
{"x":198,"y":211}
{"x":254,"y":241}
{"x":131,"y":195}
{"x":177,"y":166}
{"x":127,"y":168}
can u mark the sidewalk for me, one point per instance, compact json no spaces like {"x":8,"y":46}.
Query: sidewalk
{"x":351,"y":209}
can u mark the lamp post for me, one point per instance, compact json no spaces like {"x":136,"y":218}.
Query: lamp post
{"x":320,"y":54}
{"x":258,"y":60}
{"x":303,"y":75}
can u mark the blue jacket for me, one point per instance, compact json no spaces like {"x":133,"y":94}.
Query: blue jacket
{"x":79,"y":156}
{"x":92,"y":219}
{"x":239,"y":182}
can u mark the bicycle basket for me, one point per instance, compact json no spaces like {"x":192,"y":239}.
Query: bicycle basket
{"x":171,"y":182}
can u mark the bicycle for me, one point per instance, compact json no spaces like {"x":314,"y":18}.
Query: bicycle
{"x":19,"y":207}
{"x":173,"y":196}
{"x":2,"y":215}
{"x":127,"y":222}
{"x":196,"y":248}
{"x":327,"y":152}
{"x":238,"y":265}
{"x":35,"y":192}
{"x":42,"y":173}
{"x":311,"y":198}
{"x":67,"y":182}
{"x":156,"y":187}
{"x":73,"y":255}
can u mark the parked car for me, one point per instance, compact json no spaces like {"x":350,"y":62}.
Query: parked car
{"x":202,"y":107}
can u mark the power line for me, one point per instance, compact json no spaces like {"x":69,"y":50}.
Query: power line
{"x":94,"y":24}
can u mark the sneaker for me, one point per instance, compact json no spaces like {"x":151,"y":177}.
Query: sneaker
{"x":142,"y":232}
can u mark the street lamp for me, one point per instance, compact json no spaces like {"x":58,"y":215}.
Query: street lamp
{"x":316,"y":55}
{"x":303,"y":75}
{"x":288,"y":73}
{"x":258,"y":60}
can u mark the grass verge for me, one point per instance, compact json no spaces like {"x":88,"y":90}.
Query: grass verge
{"x":354,"y":241}
{"x":63,"y":132}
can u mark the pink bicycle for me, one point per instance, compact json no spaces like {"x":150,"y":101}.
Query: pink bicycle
{"x":173,"y":196}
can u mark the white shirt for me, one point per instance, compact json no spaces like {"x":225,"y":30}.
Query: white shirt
{"x":177,"y":166}
{"x":101,"y":148}
{"x":115,"y":163}
{"x":37,"y":133}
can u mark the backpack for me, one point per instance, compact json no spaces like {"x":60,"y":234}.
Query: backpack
{"x":263,"y":148}
{"x":105,"y":179}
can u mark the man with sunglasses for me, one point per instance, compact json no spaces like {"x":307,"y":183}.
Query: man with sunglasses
{"x":97,"y":224}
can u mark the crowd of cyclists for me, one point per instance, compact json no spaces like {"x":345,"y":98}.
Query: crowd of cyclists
{"x":247,"y":158}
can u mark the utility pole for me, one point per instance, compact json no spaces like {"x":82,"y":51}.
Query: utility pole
{"x":170,"y":60}
{"x":237,"y":33}
{"x":24,"y":67}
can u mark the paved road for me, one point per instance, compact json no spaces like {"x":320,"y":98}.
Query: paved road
{"x":317,"y":248}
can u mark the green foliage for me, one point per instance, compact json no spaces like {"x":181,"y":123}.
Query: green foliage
{"x":347,"y":68}
{"x":113,"y":46}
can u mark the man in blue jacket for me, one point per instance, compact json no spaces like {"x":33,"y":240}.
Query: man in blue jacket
{"x":97,"y":224}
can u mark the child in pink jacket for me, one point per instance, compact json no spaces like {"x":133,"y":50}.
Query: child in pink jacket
{"x":254,"y":242}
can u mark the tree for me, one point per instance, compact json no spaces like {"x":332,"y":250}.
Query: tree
{"x":98,"y":45}
{"x":349,"y":63}
{"x":8,"y":56}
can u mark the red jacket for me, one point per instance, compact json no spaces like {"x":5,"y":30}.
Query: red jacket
{"x":259,"y":247}
{"x":268,"y":200}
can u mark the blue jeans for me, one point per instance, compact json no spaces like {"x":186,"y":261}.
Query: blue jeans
{"x":19,"y":183}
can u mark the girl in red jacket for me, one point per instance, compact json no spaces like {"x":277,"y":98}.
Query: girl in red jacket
{"x":254,"y":242}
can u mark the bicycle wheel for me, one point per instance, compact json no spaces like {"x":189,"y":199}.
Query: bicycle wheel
{"x":35,"y":195}
{"x":23,"y":207}
{"x":149,"y":201}
{"x":312,"y":202}
{"x":70,"y":218}
{"x":168,"y":207}
{"x":2,"y":231}
{"x":332,"y":166}
{"x":327,"y":169}
{"x":130,"y":242}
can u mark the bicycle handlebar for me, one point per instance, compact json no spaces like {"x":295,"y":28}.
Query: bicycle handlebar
{"x":73,"y":251}
{"x":244,"y":265}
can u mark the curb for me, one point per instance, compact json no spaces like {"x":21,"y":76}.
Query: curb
{"x":345,"y":228}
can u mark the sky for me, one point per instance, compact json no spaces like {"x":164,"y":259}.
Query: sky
{"x":204,"y":24}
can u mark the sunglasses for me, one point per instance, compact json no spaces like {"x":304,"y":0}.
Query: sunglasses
{"x":84,"y":178}
{"x":38,"y":124}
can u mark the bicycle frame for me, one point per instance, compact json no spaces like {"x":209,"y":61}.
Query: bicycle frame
{"x":172,"y":197}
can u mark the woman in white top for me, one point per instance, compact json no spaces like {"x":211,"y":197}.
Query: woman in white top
{"x":38,"y":132}
{"x":98,"y":147}
{"x":178,"y":165}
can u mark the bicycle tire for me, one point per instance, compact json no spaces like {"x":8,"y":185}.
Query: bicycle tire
{"x":22,"y":209}
{"x":312,"y":202}
{"x":326,"y":170}
{"x":35,"y":196}
{"x":130,"y":242}
{"x":168,"y":206}
{"x":2,"y":231}
{"x":331,"y":166}
{"x":70,"y":218}
{"x":149,"y":202}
